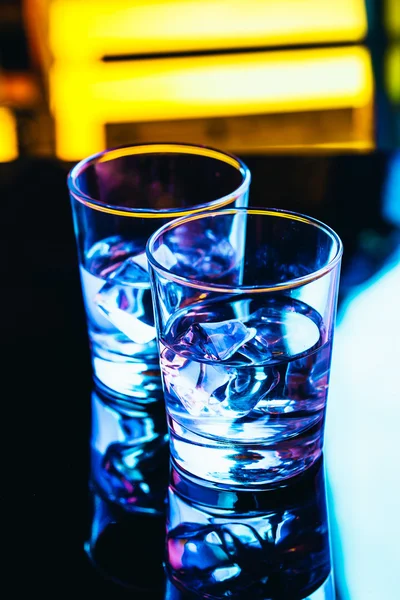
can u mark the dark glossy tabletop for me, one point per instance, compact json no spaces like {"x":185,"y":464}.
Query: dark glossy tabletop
{"x":46,"y":381}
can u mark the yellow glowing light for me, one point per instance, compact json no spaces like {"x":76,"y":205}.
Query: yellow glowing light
{"x":326,"y":148}
{"x":392,"y":73}
{"x":8,"y":136}
{"x":392,"y":17}
{"x":94,"y":28}
{"x":84,"y":98}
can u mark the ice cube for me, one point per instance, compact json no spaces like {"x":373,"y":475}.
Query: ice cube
{"x":219,"y":341}
{"x":191,"y":547}
{"x":90,"y":287}
{"x":215,"y":389}
{"x":218,"y":260}
{"x":194,"y":383}
{"x":111,"y":248}
{"x":165,"y":257}
{"x":242,"y":535}
{"x":207,"y":389}
{"x":281,"y":333}
{"x":189,"y":262}
{"x":141,"y":261}
{"x":104,"y":257}
{"x":194,"y":400}
{"x":225,"y":249}
{"x":225,"y":573}
{"x":190,"y":256}
{"x":215,"y":552}
{"x":212,"y":257}
{"x":125,"y":299}
{"x":245,"y":389}
{"x":133,"y":271}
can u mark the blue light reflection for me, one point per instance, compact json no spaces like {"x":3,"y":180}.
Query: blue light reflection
{"x":362,"y":445}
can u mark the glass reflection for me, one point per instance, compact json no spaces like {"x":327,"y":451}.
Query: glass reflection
{"x":128,"y":484}
{"x":129,"y":456}
{"x":259,"y":545}
{"x":220,"y":542}
{"x":126,"y":547}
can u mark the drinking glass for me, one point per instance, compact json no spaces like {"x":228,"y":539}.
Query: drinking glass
{"x":119,"y":197}
{"x":245,"y":304}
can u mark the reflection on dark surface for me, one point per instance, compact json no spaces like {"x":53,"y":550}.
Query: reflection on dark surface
{"x":220,"y":543}
{"x":125,"y":547}
{"x":259,"y":545}
{"x":129,"y":462}
{"x":272,"y":545}
{"x":128,"y":483}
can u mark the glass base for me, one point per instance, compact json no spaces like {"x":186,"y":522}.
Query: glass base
{"x":124,"y":376}
{"x":174,"y":591}
{"x":253,"y":466}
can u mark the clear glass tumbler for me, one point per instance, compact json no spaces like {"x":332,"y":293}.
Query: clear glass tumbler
{"x":245,"y":304}
{"x":119,"y":197}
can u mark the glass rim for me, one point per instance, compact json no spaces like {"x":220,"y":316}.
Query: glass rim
{"x":227,"y":289}
{"x":156,"y":148}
